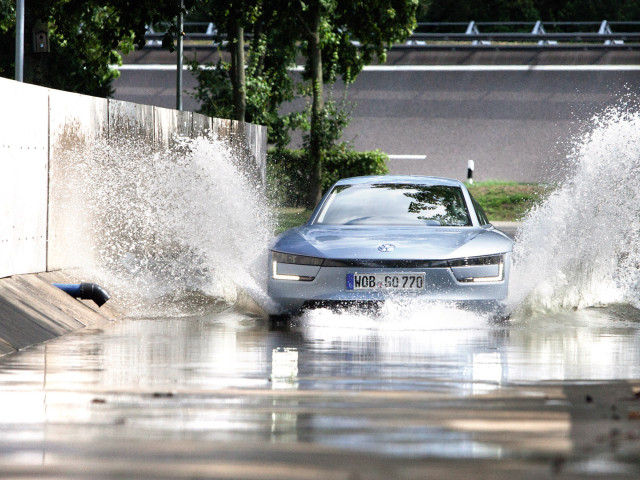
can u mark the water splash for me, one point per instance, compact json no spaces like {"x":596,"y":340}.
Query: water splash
{"x":581,"y":247}
{"x":168,"y":229}
{"x":397,"y":315}
{"x":187,"y":228}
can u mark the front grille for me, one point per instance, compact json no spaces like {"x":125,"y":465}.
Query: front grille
{"x":367,"y":305}
{"x":386,"y":263}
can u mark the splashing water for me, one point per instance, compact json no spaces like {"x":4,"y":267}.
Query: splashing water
{"x":396,"y":316}
{"x":581,"y":247}
{"x":164,"y":228}
{"x":186,"y":227}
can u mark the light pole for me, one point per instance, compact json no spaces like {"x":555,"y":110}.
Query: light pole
{"x":179,"y":66}
{"x":19,"y":60}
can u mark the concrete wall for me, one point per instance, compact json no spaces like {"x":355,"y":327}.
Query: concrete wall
{"x":24,"y":146}
{"x":39,"y":130}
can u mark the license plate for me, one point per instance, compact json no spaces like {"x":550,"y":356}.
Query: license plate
{"x":385,"y":281}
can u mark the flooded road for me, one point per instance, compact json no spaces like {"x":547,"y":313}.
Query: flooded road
{"x":434,"y":394}
{"x":411,"y":391}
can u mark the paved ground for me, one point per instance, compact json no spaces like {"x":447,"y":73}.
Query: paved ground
{"x":515,"y":124}
{"x":411,"y":393}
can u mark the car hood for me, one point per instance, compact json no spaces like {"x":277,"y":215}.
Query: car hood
{"x":410,"y":243}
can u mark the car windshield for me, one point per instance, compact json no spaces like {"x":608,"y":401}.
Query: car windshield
{"x":395,"y":204}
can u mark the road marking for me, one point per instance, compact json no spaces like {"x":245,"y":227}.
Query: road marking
{"x":426,"y":68}
{"x":407,"y":157}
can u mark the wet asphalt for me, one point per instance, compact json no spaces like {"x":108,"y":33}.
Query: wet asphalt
{"x":401,"y":393}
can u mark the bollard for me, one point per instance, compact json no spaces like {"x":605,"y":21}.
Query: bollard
{"x":470,"y":167}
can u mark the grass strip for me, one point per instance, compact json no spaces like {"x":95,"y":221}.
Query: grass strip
{"x":508,"y":201}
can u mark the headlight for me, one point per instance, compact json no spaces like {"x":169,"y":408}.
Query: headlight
{"x":301,"y":268}
{"x":478,"y":269}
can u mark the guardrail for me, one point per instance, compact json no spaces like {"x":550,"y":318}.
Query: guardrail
{"x":471,"y":34}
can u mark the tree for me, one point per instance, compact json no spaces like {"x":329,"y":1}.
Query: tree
{"x":231,"y":18}
{"x":338,"y":38}
{"x":481,"y":11}
{"x":249,"y":87}
{"x":530,"y":10}
{"x":7,"y":37}
{"x":86,"y":36}
{"x":588,"y":10}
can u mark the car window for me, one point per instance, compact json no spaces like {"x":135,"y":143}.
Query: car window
{"x":395,"y":204}
{"x":482,"y":217}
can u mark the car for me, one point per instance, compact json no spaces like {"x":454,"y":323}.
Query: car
{"x":374,"y":238}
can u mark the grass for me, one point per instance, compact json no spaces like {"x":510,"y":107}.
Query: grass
{"x":289,"y":217}
{"x":501,"y":201}
{"x":507,"y":201}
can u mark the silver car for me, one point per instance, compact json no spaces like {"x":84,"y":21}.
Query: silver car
{"x":380,"y":237}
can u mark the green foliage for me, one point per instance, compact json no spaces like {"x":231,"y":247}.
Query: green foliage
{"x":528,"y":10}
{"x":7,"y":15}
{"x":288,"y":217}
{"x":374,"y":25}
{"x":481,"y":11}
{"x":348,"y":163}
{"x":288,"y":171}
{"x":214,"y":88}
{"x":588,"y":10}
{"x":80,"y":54}
{"x":508,"y":201}
{"x":85,"y":38}
{"x":267,"y":81}
{"x":7,"y":37}
{"x":332,"y":119}
{"x":336,"y":37}
{"x":287,"y":177}
{"x":215,"y":94}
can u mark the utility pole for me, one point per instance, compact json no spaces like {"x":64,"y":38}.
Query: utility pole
{"x":19,"y":60}
{"x":180,"y":51}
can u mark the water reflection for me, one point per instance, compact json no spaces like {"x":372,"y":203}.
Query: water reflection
{"x":589,"y":344}
{"x":399,"y":386}
{"x":284,"y":376}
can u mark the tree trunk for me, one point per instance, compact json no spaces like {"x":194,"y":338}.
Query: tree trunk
{"x":315,"y":148}
{"x":237,"y":72}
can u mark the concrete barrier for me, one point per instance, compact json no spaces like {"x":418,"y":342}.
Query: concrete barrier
{"x":75,"y":121}
{"x":42,"y":136}
{"x":24,"y":145}
{"x":38,"y":135}
{"x":34,"y":311}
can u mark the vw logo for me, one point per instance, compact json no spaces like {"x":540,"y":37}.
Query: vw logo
{"x":387,"y":247}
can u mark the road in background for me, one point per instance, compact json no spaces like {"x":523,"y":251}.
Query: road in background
{"x":513,"y":112}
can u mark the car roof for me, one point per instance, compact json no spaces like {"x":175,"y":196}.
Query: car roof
{"x":399,"y":179}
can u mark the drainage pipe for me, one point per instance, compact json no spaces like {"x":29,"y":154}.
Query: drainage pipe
{"x":85,"y":291}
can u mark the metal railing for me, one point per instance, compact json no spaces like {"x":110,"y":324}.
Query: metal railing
{"x":537,"y":34}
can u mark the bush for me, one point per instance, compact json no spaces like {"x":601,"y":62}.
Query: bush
{"x":348,"y":163}
{"x":288,"y":171}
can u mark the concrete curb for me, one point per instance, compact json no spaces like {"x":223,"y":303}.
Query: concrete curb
{"x":33,"y":311}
